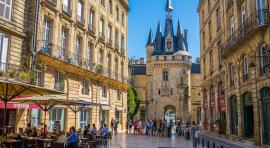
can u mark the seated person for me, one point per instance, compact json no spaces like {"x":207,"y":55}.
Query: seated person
{"x":34,"y":132}
{"x":73,"y":137}
{"x":105,"y":131}
{"x":44,"y":131}
{"x":28,"y":129}
{"x":94,"y":129}
{"x":62,"y":138}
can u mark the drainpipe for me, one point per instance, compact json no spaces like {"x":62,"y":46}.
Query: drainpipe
{"x":34,"y":38}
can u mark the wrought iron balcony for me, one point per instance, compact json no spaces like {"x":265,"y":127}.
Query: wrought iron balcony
{"x":253,"y":23}
{"x":75,"y":59}
{"x":20,"y":73}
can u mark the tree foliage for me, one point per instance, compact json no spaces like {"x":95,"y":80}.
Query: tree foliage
{"x":133,"y":102}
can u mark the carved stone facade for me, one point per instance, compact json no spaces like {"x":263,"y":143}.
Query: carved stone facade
{"x":235,"y":86}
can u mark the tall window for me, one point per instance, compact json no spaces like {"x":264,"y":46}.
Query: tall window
{"x":243,"y":13}
{"x":204,"y":68}
{"x":203,"y":17}
{"x":57,"y":117}
{"x":101,"y":26}
{"x":210,"y":30}
{"x":85,"y":87}
{"x":123,"y":19}
{"x":218,"y":18}
{"x":80,"y":11}
{"x":83,"y":118}
{"x":110,"y":6}
{"x":211,"y":61}
{"x":116,"y":68}
{"x":4,"y":41}
{"x":165,"y":76}
{"x":100,"y":57}
{"x":219,"y":54}
{"x":262,"y":60}
{"x":109,"y":35}
{"x":122,"y":71}
{"x":117,"y":13}
{"x":232,"y":79}
{"x":109,"y":65}
{"x":78,"y":49}
{"x":66,"y":6}
{"x":116,"y":39}
{"x":5,"y":9}
{"x":46,"y":36}
{"x":232,"y":26}
{"x":203,"y":40}
{"x":104,"y":91}
{"x":64,"y":41}
{"x":59,"y":83}
{"x":245,"y":67}
{"x":122,"y":42}
{"x":90,"y":52}
{"x":92,"y":20}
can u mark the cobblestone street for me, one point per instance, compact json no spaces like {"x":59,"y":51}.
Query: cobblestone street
{"x":139,"y":141}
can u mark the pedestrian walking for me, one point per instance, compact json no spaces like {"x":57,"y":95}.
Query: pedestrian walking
{"x":112,"y":125}
{"x":194,"y":133}
{"x":115,"y":126}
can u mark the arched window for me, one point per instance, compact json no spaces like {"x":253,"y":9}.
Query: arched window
{"x":245,"y":68}
{"x":165,"y":75}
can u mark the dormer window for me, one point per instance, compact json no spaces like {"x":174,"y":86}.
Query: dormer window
{"x":169,"y":45}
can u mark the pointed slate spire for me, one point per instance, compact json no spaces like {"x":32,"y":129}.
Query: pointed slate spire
{"x":150,"y":38}
{"x":180,"y":38}
{"x":169,"y":6}
{"x":158,"y":38}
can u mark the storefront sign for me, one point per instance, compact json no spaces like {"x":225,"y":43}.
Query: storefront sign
{"x":19,"y":106}
{"x":221,"y":100}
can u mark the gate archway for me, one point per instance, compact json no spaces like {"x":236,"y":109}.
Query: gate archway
{"x":169,"y":113}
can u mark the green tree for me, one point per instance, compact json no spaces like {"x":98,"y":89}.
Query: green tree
{"x":133,"y":102}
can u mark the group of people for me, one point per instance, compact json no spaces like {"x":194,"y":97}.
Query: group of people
{"x":161,"y":128}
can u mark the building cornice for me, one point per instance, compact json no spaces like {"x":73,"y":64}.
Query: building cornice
{"x":124,"y":3}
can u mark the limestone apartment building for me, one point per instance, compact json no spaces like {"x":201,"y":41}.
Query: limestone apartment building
{"x":235,"y":68}
{"x":81,"y":50}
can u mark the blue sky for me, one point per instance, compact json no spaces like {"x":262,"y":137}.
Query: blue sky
{"x":145,"y":14}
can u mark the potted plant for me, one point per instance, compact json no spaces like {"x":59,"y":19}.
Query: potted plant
{"x":28,"y":76}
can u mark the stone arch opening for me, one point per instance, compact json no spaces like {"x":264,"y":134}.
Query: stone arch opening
{"x":248,"y":115}
{"x":169,"y":113}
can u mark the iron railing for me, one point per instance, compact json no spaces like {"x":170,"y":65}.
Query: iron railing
{"x":255,"y":21}
{"x":65,"y":55}
{"x":20,"y":73}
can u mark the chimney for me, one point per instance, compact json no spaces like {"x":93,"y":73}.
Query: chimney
{"x":141,"y":60}
{"x":185,"y":37}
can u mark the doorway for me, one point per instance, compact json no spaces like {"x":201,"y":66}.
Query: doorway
{"x":248,"y":115}
{"x":265,"y":95}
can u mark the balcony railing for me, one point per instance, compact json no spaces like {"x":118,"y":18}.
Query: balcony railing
{"x":22,"y":74}
{"x":255,"y":21}
{"x":65,"y":55}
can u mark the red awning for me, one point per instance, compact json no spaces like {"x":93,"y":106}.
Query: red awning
{"x":19,"y":106}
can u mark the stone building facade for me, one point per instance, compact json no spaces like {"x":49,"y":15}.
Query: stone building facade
{"x":235,"y":61}
{"x":81,"y":50}
{"x":167,"y":71}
